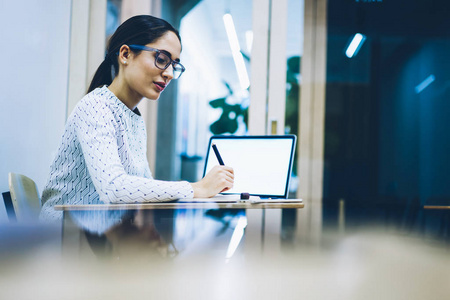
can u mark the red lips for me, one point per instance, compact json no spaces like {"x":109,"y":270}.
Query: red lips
{"x":160,"y":86}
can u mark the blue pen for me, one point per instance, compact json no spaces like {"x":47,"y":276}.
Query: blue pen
{"x":216,"y":151}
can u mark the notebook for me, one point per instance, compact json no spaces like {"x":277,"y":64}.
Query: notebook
{"x":262,"y":164}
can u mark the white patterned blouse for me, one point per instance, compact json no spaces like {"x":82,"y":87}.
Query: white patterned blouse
{"x":102,"y":159}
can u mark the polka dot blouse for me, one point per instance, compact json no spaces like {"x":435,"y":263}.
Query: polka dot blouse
{"x":102,"y":159}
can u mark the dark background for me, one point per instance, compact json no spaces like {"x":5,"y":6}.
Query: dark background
{"x":386,"y":146}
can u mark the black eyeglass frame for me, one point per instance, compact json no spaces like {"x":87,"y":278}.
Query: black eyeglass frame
{"x":177,"y":66}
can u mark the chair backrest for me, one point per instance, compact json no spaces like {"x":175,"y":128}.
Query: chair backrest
{"x":25,"y":197}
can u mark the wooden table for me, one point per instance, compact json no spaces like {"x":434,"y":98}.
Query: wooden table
{"x":179,"y":205}
{"x":99,"y":217}
{"x":436,"y":207}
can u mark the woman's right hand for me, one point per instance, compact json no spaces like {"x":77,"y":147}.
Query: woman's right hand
{"x":219,"y":179}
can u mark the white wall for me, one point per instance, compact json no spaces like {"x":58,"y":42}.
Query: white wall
{"x":34,"y":53}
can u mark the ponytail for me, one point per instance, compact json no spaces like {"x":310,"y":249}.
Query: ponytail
{"x":103,"y":75}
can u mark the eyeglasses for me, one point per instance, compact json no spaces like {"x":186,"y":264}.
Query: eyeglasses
{"x":162,"y":60}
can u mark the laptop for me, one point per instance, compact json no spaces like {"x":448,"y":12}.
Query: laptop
{"x":262,"y":164}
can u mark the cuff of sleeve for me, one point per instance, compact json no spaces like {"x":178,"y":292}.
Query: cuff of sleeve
{"x":189,"y":191}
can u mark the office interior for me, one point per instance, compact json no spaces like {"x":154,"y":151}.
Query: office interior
{"x":361,"y":83}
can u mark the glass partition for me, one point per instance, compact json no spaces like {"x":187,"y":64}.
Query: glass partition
{"x":294,"y":52}
{"x":386,"y":139}
{"x":213,"y":93}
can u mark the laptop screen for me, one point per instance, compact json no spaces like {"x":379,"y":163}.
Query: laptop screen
{"x":262,"y":164}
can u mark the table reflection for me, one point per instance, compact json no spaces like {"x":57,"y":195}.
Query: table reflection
{"x":153,"y":234}
{"x":122,"y":234}
{"x":215,"y":253}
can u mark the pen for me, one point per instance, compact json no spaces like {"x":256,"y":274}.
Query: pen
{"x":216,"y":151}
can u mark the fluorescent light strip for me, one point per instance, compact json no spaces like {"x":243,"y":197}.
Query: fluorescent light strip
{"x":355,"y":45}
{"x":249,"y":40}
{"x":236,"y":51}
{"x":241,"y":70}
{"x":231,"y":33}
{"x":424,"y":84}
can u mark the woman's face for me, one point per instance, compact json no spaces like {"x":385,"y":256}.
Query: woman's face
{"x":143,"y":78}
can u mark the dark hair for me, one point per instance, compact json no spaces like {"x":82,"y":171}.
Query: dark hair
{"x":137,"y":30}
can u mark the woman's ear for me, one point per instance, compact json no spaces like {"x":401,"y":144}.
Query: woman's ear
{"x":124,"y":54}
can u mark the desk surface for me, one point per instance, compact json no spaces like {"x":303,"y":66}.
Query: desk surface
{"x":436,"y":207}
{"x":259,"y":254}
{"x":179,"y":205}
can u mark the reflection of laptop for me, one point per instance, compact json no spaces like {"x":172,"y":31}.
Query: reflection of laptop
{"x":262,"y":164}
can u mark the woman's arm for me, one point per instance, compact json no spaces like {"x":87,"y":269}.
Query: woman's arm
{"x":95,"y":130}
{"x":219,"y":179}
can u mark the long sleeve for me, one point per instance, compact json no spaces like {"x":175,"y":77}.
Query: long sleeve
{"x":102,"y":159}
{"x":98,"y":134}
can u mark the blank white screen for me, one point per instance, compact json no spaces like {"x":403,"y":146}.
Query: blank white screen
{"x":261,"y":165}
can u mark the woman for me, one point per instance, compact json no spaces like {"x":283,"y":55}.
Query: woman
{"x":102,"y":156}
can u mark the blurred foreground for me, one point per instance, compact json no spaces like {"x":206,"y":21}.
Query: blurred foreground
{"x":213,"y":255}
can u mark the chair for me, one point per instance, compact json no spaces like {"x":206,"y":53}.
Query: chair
{"x":25,"y":197}
{"x":9,"y":206}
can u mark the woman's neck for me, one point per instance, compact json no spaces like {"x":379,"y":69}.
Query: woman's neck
{"x":130,"y":98}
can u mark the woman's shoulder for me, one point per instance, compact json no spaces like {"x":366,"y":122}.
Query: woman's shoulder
{"x":100,"y":96}
{"x":92,"y":104}
{"x":99,"y":100}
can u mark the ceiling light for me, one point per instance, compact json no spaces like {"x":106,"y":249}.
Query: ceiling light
{"x":355,"y":45}
{"x":249,"y":40}
{"x":236,"y":51}
{"x":421,"y":86}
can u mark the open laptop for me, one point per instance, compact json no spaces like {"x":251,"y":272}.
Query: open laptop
{"x":262,"y":164}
